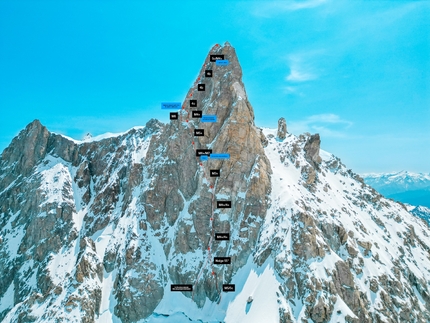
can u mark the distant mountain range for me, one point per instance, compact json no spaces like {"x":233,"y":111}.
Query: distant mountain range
{"x":420,"y":211}
{"x":404,"y":186}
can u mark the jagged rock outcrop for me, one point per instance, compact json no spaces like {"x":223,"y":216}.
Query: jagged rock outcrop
{"x":312,"y":150}
{"x":28,"y":148}
{"x":282,"y":129}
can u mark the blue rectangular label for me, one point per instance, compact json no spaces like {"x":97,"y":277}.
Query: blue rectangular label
{"x":171,"y":105}
{"x":203,"y":157}
{"x":220,"y":156}
{"x":208,"y":118}
{"x":222,"y":62}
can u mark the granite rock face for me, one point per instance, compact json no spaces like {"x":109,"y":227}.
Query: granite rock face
{"x":244,"y":178}
{"x":98,"y":230}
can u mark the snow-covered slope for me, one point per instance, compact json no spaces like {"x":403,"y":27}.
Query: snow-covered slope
{"x":339,"y":221}
{"x":98,"y":230}
{"x":327,"y":246}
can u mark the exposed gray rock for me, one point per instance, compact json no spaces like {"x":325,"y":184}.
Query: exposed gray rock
{"x":263,"y":139}
{"x":24,"y":152}
{"x":312,"y":150}
{"x":282,"y":129}
{"x":224,"y":96}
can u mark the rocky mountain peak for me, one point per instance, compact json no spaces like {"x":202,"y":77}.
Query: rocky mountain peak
{"x":24,"y":152}
{"x":223,"y":88}
{"x":244,"y":177}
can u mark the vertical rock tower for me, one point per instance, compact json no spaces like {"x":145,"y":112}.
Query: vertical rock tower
{"x":282,"y":129}
{"x":182,"y":191}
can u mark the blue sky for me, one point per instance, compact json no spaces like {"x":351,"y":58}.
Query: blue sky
{"x":357,"y":72}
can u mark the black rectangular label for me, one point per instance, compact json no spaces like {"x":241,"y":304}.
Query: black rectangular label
{"x":202,"y":152}
{"x":222,"y":260}
{"x":223,"y":204}
{"x":197,"y":114}
{"x":174,"y":115}
{"x":201,"y":87}
{"x":228,"y":287}
{"x":214,"y":172}
{"x":199,"y":132}
{"x":208,"y":73}
{"x":214,"y":58}
{"x":222,"y":236}
{"x":193,"y":103}
{"x":181,"y":288}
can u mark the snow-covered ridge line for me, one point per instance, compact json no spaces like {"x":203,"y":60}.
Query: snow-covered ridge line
{"x":325,"y":155}
{"x":399,"y":174}
{"x":106,"y":135}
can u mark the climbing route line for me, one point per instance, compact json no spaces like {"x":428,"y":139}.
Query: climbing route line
{"x":185,"y":115}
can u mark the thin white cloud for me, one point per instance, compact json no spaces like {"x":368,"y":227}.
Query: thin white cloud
{"x":269,"y":9}
{"x":328,"y":125}
{"x":297,"y":75}
{"x":290,"y":89}
{"x":301,"y":69}
{"x":298,"y":5}
{"x":330,"y":118}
